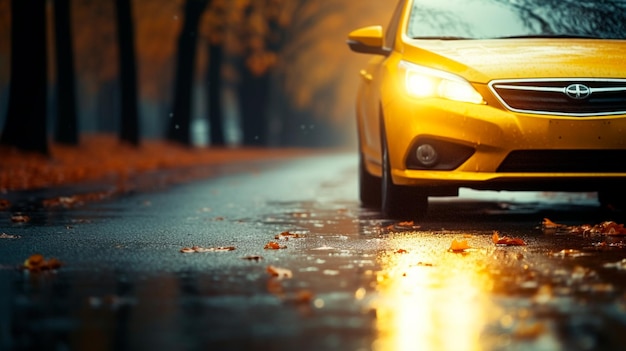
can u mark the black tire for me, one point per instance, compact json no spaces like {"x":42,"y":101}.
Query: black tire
{"x":400,"y":202}
{"x":369,"y":186}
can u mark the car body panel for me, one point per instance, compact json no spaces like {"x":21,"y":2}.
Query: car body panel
{"x":483,"y":60}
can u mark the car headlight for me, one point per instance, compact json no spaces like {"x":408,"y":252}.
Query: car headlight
{"x":423,"y":82}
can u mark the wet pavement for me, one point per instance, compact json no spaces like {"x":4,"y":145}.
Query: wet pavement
{"x":348,"y":279}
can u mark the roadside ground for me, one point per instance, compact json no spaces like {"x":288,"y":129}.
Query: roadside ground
{"x":102,"y":158}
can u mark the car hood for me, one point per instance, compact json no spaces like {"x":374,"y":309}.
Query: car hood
{"x":484,"y":60}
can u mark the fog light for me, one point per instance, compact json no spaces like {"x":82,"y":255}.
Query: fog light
{"x":426,"y":155}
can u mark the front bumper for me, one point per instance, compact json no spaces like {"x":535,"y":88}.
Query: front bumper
{"x":496,"y":136}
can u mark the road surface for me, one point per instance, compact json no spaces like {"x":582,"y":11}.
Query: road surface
{"x":342,"y":278}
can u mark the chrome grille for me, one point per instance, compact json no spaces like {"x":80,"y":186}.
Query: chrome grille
{"x":568,"y":97}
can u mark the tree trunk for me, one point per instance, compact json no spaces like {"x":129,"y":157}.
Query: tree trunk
{"x":66,"y":131}
{"x":180,"y":116}
{"x":253,"y":98}
{"x":215,"y":95}
{"x":129,"y":126}
{"x":25,"y":125}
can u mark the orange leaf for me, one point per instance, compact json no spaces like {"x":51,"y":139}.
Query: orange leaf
{"x":549,"y":224}
{"x":272,"y":245}
{"x":196,"y":248}
{"x":287,"y":236}
{"x":459,"y":246}
{"x":37,"y":262}
{"x":505,"y":240}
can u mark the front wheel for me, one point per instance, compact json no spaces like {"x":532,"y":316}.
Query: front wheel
{"x":401,"y":202}
{"x":369,"y":186}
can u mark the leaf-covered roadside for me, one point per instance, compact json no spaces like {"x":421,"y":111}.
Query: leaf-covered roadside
{"x":605,"y":228}
{"x":102,"y":156}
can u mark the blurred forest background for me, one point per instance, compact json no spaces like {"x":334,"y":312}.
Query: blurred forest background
{"x":197,"y":72}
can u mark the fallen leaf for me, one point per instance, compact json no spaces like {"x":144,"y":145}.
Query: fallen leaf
{"x":20,"y":218}
{"x":401,"y":251}
{"x":201,"y":249}
{"x":400,"y":226}
{"x":215,"y":249}
{"x":272,"y":245}
{"x":548,"y":224}
{"x":612,"y":228}
{"x":253,"y":258}
{"x":505,"y":240}
{"x":459,"y":246}
{"x":34,"y":261}
{"x":279,"y":272}
{"x":287,"y":236}
{"x":4,"y":204}
{"x":37,"y":262}
{"x":609,"y":228}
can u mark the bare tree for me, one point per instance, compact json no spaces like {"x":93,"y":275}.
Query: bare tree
{"x":129,"y":126}
{"x":25,"y":125}
{"x":214,"y":80}
{"x":66,"y":131}
{"x":180,"y":116}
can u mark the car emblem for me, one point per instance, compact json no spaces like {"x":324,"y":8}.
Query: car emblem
{"x":577,"y":91}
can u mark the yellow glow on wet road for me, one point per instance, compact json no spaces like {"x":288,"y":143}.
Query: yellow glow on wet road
{"x":431,"y":299}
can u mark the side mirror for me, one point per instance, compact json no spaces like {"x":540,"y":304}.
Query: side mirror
{"x":367,"y":40}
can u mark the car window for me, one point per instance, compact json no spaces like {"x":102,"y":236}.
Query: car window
{"x":483,"y":19}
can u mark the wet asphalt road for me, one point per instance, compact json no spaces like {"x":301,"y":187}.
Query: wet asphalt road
{"x":353,"y":280}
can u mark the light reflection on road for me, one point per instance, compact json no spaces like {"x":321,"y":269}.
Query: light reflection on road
{"x":431,"y":299}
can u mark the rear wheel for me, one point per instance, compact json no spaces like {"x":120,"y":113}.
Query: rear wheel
{"x":402,"y":202}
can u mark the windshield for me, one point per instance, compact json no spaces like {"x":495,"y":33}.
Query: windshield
{"x":485,"y":19}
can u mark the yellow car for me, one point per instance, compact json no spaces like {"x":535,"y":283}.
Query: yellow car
{"x":492,"y":94}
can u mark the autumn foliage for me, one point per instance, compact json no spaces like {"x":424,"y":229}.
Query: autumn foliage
{"x":301,"y":43}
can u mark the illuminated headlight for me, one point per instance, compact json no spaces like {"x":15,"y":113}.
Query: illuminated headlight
{"x":423,"y":82}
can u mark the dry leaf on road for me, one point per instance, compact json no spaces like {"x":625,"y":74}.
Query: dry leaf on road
{"x":506,"y":241}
